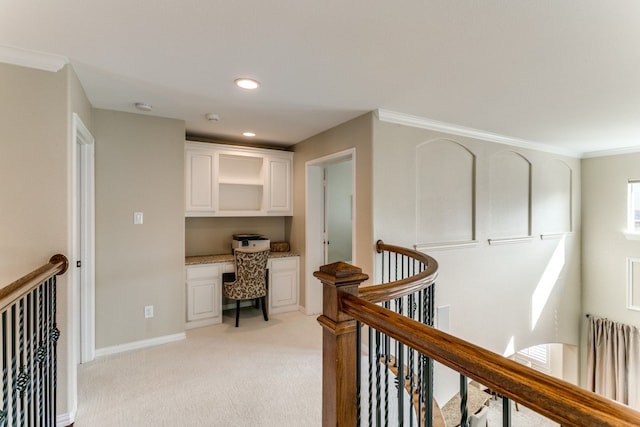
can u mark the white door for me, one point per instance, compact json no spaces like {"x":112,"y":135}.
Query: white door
{"x":315,"y":237}
{"x":338,"y":210}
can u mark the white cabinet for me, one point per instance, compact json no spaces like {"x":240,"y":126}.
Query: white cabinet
{"x":204,"y":295}
{"x":279,"y":188}
{"x":204,"y":290}
{"x":226,"y":180}
{"x":283,"y":284}
{"x":199,"y":167}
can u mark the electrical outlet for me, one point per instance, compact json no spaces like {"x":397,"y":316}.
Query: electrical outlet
{"x":148,"y":311}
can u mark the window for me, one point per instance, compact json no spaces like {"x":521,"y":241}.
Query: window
{"x":536,"y":356}
{"x":633,"y":207}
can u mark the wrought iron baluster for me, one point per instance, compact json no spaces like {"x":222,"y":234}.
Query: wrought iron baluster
{"x":371,"y":361}
{"x":30,"y":352}
{"x":463,"y":402}
{"x":4,"y":410}
{"x":387,"y":358}
{"x":47,"y":345}
{"x":506,"y":412}
{"x":378,"y":415}
{"x":14,"y":367}
{"x":54,"y":361}
{"x":358,"y":370}
{"x":410,"y":368}
{"x":42,"y":352}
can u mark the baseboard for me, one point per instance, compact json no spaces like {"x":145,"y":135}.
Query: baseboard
{"x":65,"y":420}
{"x":105,"y":351}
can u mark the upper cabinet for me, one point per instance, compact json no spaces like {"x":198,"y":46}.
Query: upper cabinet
{"x":227,"y":180}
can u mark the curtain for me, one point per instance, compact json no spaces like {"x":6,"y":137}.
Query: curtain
{"x":613,"y":356}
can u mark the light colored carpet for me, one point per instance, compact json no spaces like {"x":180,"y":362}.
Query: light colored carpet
{"x":523,"y":417}
{"x":260,"y":374}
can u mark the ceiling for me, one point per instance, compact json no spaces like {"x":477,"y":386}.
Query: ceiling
{"x":564,"y":74}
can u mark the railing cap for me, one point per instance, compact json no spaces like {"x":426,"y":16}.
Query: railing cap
{"x":340,"y":273}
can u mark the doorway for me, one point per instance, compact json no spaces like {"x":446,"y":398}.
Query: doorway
{"x":83,"y":246}
{"x":330,"y":218}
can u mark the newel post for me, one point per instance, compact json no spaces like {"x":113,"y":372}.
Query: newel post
{"x":338,"y":345}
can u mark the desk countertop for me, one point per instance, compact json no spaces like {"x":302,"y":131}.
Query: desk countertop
{"x":211,"y":259}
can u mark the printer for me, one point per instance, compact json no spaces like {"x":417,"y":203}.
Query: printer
{"x":250,"y":241}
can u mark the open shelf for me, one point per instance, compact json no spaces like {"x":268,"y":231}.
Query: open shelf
{"x":240,"y":197}
{"x":244,"y":170}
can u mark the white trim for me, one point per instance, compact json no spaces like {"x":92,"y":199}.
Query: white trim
{"x":425,"y":123}
{"x":446,"y":245}
{"x":136,"y":345}
{"x":555,"y":236}
{"x":64,"y":420}
{"x":630,"y":296}
{"x":32,"y":59}
{"x":611,"y":152}
{"x":85,"y":313}
{"x":631,"y":236}
{"x":510,"y":240}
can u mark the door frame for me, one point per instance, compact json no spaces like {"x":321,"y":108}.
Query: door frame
{"x":83,"y":231}
{"x":314,"y":216}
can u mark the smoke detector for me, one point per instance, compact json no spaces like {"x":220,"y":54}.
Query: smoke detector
{"x":212,"y":117}
{"x":143,"y":107}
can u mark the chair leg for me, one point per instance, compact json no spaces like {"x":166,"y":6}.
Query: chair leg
{"x":264,"y":308}
{"x":237,"y":312}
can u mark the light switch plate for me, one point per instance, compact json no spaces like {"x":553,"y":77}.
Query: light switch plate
{"x":138,"y":218}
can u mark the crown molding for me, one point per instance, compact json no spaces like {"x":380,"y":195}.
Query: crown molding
{"x":424,"y":123}
{"x":611,"y":152}
{"x":32,"y":59}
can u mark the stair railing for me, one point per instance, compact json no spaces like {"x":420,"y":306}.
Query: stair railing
{"x":347,"y":307}
{"x":29,"y":335}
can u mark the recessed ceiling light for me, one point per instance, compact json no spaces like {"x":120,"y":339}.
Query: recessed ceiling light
{"x":143,"y":107}
{"x":247,"y":83}
{"x":249,"y":134}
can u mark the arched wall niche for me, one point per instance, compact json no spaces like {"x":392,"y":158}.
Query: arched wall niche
{"x":555,"y":197}
{"x":445,"y":192}
{"x":510,"y":196}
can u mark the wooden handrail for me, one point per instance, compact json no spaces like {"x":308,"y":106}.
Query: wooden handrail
{"x":400,"y":288}
{"x":11,"y":293}
{"x":556,"y":399}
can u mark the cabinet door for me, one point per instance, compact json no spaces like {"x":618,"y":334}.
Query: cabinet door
{"x":283,"y":284}
{"x":280,"y":186}
{"x":199,"y":175}
{"x":204,"y":293}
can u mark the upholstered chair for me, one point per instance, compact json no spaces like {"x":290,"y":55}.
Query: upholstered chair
{"x":250,"y":279}
{"x":479,"y":419}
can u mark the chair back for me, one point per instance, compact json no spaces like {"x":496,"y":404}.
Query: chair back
{"x":479,"y":419}
{"x":251,"y":274}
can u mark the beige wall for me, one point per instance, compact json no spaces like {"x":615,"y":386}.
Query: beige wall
{"x":207,"y":236}
{"x":352,"y":134}
{"x":139,"y":167}
{"x":35,"y":141}
{"x":605,"y":248}
{"x":490,"y":289}
{"x":33,"y":168}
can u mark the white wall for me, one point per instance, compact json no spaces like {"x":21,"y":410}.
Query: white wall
{"x":605,"y":248}
{"x":492,"y":289}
